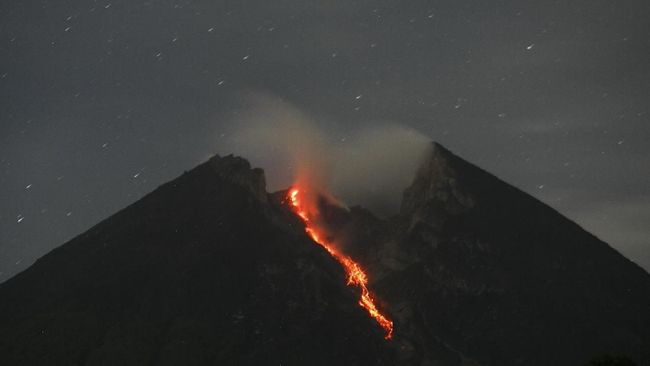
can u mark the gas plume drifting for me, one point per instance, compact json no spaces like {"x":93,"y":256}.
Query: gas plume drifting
{"x":376,"y":164}
{"x":369,"y":166}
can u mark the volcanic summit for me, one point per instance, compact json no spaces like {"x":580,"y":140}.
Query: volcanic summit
{"x":210,"y":268}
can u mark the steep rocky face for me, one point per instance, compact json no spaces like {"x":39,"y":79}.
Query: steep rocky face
{"x":207,"y":269}
{"x":435,"y":189}
{"x":499,"y":278}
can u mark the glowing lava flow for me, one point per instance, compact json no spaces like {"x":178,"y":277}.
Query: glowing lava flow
{"x":356,"y":275}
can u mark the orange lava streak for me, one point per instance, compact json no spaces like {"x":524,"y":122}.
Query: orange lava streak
{"x":356,"y":275}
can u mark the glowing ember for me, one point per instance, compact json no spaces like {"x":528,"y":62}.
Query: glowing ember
{"x":356,"y":275}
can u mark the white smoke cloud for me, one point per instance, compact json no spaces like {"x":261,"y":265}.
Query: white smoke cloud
{"x":370,"y":167}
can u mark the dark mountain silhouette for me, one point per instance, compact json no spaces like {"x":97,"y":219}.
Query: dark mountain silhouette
{"x":210,"y":269}
{"x":499,"y":278}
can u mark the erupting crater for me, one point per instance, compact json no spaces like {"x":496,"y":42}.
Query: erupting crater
{"x":356,"y":276}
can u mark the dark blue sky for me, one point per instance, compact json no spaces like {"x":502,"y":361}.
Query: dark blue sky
{"x":102,"y":101}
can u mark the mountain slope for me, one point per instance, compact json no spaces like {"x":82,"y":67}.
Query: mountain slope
{"x":204,"y":270}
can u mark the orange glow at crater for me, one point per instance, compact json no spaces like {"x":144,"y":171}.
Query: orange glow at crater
{"x":355,"y":274}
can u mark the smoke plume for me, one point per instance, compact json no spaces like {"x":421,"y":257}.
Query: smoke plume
{"x":369,"y":165}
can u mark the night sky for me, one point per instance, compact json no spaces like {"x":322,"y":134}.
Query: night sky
{"x":102,"y":101}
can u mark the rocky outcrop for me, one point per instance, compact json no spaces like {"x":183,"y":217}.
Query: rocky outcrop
{"x":435,"y":188}
{"x":238,"y":171}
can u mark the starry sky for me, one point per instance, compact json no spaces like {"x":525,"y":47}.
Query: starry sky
{"x":102,"y":101}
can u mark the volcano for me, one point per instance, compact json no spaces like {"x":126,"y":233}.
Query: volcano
{"x":211,"y":269}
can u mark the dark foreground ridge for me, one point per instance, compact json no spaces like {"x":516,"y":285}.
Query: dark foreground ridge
{"x":210,"y":269}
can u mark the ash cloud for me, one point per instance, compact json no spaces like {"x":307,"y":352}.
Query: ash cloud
{"x":369,"y":165}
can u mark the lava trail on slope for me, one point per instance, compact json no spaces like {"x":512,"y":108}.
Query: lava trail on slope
{"x":355,"y":274}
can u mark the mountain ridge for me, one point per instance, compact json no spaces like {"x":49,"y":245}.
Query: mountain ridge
{"x":488,"y":245}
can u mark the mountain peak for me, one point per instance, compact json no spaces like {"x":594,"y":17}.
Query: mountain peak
{"x":506,"y":258}
{"x":435,"y":186}
{"x":238,"y":171}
